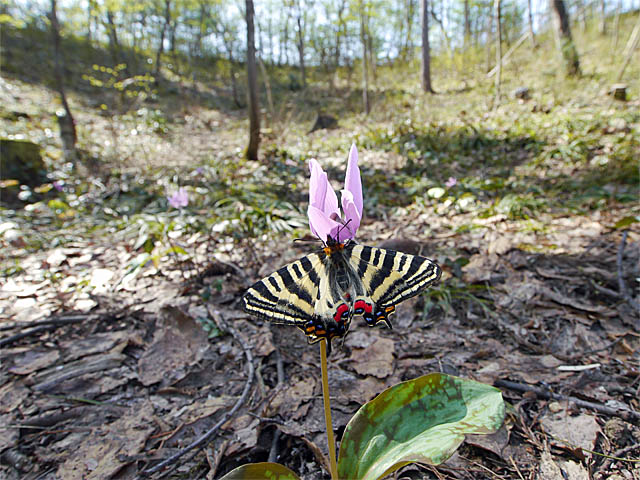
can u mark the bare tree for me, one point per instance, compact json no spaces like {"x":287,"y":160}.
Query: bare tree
{"x":300,"y":43}
{"x":163,"y":32}
{"x":426,"y":53}
{"x":252,"y":81}
{"x":67,"y":124}
{"x":498,"y":14}
{"x":564,"y":39}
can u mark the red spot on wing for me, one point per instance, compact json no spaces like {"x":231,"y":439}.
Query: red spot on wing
{"x":367,"y":307}
{"x":342,"y":308}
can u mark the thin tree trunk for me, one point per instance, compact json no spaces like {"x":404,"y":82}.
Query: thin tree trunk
{"x":67,"y":124}
{"x":365,"y":67}
{"x":497,"y":7}
{"x":426,"y":52}
{"x":534,"y":44}
{"x":114,"y":44}
{"x":300,"y":46}
{"x":616,"y":26}
{"x":603,"y":18}
{"x":489,"y":42}
{"x":565,"y":40}
{"x":252,"y":82}
{"x":163,"y":32}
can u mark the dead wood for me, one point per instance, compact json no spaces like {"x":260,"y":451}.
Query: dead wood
{"x":625,"y":414}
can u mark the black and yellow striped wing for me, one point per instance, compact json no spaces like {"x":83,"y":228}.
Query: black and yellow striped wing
{"x":388,"y":277}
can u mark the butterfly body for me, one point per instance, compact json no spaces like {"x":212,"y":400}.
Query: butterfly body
{"x":321,"y":292}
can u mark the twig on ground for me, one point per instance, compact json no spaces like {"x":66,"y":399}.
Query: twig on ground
{"x":621,"y":285}
{"x":626,"y":414}
{"x":203,"y":440}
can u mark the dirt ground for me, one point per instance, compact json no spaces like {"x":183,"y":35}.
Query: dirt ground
{"x":106,"y":384}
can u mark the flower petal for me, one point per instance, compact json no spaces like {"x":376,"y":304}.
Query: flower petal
{"x":321,"y":225}
{"x":352,"y":216}
{"x":352,"y":181}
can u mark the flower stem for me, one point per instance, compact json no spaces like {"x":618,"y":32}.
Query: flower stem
{"x":327,"y":410}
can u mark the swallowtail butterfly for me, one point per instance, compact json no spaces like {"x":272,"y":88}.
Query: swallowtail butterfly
{"x":323,"y":291}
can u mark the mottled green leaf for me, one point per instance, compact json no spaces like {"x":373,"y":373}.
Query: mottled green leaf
{"x":261,"y":471}
{"x":422,"y":420}
{"x":626,"y":221}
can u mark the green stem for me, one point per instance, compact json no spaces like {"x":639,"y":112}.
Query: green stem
{"x":327,"y":410}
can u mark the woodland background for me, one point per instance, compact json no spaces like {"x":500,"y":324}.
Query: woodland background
{"x":508,"y":151}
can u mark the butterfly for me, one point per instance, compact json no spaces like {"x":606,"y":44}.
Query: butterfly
{"x":321,"y":292}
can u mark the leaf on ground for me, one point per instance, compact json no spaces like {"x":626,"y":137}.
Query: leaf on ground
{"x":245,"y":434}
{"x":288,"y":399}
{"x":571,"y":431}
{"x":179,"y":342}
{"x":421,"y":420}
{"x":100,"y":455}
{"x":376,"y":359}
{"x":261,"y":471}
{"x":97,"y":343}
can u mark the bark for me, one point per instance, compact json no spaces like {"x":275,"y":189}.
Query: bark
{"x":603,"y":18}
{"x":564,"y":39}
{"x":252,"y":82}
{"x":163,"y":32}
{"x":497,"y":7}
{"x":67,"y":124}
{"x":365,"y":66}
{"x":426,"y":53}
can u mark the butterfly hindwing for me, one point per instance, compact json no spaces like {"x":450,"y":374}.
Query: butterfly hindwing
{"x":389,"y":277}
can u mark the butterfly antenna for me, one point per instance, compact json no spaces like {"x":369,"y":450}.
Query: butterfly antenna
{"x":344,"y":225}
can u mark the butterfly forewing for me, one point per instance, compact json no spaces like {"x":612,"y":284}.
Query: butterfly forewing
{"x":288,"y":295}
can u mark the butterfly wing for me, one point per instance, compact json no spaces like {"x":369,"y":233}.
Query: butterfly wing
{"x":301,"y":294}
{"x":287,"y":296}
{"x":388,"y":277}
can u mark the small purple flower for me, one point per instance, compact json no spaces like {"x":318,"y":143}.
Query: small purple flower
{"x":179,"y":199}
{"x":325,"y":220}
{"x":199,"y":170}
{"x":58,"y":185}
{"x":451,"y":182}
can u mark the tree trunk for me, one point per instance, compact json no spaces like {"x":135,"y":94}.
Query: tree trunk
{"x":300,"y":45}
{"x":534,"y":44}
{"x":114,"y":44}
{"x":603,"y":18}
{"x":67,"y":124}
{"x":497,"y":7}
{"x":252,"y":82}
{"x":467,"y":25}
{"x":163,"y":32}
{"x":489,"y":43}
{"x":426,"y":53}
{"x":565,"y":40}
{"x":365,"y":66}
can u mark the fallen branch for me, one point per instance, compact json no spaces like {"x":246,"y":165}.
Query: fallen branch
{"x":44,"y":326}
{"x":621,"y":285}
{"x":624,"y":413}
{"x":198,"y":444}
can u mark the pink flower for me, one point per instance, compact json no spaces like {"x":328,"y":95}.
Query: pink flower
{"x":325,"y":220}
{"x":179,"y":199}
{"x":451,"y":182}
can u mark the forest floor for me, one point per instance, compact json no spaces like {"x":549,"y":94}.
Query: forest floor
{"x":114,"y":352}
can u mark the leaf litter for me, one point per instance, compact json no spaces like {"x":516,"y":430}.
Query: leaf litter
{"x":111,"y":362}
